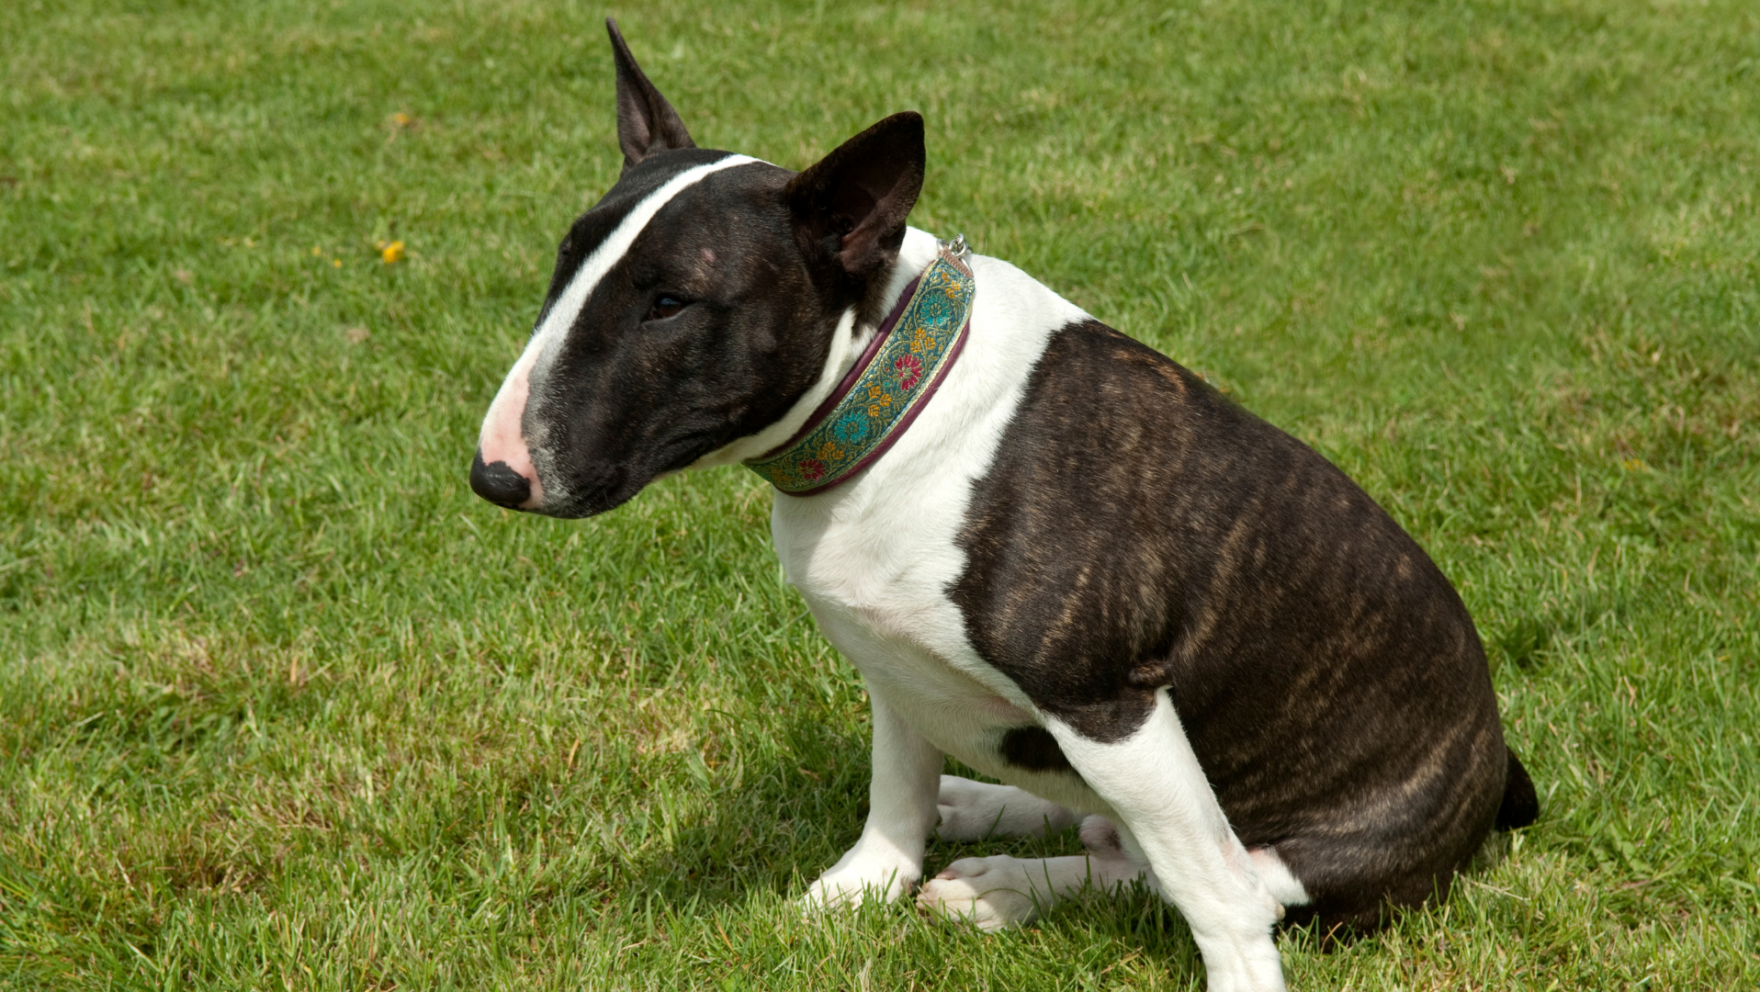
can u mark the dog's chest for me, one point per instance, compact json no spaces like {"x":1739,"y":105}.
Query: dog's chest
{"x":877,"y":590}
{"x":876,"y":557}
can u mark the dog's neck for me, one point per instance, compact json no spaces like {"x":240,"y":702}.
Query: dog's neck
{"x":897,"y":376}
{"x":848,"y":341}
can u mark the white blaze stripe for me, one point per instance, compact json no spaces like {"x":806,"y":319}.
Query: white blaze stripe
{"x":508,"y":407}
{"x":611,"y":251}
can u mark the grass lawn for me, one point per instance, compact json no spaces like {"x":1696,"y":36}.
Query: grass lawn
{"x":284,"y":706}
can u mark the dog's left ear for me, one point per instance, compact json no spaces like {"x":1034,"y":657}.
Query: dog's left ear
{"x":645,"y":121}
{"x":854,"y":202}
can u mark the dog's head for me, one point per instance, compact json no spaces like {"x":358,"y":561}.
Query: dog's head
{"x":693,"y":306}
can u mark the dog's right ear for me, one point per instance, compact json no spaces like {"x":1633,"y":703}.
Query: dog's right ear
{"x":645,"y":121}
{"x":853,"y":203}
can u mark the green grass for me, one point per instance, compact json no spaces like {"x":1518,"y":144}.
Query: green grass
{"x":283,"y":706}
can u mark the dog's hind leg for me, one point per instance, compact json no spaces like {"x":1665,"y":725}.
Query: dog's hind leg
{"x":1168,"y":813}
{"x":887,"y":861}
{"x":1001,"y":891}
{"x":978,"y":810}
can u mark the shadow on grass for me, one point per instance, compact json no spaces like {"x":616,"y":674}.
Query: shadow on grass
{"x":752,"y":851}
{"x":725,"y":869}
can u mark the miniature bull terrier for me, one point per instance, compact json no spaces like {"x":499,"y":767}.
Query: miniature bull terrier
{"x":1051,"y":552}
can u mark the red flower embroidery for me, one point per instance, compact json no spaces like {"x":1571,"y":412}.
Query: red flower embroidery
{"x":910,"y":371}
{"x":813,"y":469}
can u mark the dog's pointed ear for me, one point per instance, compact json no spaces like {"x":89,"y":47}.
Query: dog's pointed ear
{"x":854,"y":202}
{"x":645,"y":121}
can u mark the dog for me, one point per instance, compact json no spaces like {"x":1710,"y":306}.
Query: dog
{"x":1051,"y":552}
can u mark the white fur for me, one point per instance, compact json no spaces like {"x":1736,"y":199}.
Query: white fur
{"x":1283,"y":886}
{"x":887,"y":860}
{"x":978,"y":810}
{"x":1167,"y":814}
{"x":874,"y":557}
{"x":1001,"y":891}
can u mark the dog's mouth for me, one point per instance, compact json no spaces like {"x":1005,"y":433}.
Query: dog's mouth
{"x":572,"y":495}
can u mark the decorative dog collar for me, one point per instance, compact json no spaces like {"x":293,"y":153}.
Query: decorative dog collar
{"x":889,"y":385}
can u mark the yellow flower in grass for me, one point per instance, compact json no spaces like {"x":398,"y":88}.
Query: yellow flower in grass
{"x":389,"y":251}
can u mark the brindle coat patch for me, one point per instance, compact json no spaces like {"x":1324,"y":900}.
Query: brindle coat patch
{"x":1139,"y":530}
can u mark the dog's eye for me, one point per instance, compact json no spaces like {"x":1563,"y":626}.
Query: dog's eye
{"x":664,"y":307}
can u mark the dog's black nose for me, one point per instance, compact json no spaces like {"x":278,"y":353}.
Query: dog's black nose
{"x":499,"y":484}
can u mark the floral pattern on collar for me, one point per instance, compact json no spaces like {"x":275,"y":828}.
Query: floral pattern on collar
{"x":880,"y":398}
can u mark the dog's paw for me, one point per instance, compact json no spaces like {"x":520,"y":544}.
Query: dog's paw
{"x":978,"y":810}
{"x":991,"y":893}
{"x":854,"y":881}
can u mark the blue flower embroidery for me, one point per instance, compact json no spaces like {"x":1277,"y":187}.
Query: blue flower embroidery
{"x":851,"y":427}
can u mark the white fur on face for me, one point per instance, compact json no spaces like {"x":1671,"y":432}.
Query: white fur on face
{"x":503,"y":435}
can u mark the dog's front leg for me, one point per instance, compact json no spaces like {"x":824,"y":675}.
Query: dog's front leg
{"x":1169,"y":813}
{"x":888,"y":859}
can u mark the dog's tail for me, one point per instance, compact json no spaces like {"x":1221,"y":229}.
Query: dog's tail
{"x":1520,"y":806}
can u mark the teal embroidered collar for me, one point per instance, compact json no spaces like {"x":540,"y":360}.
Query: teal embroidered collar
{"x":889,"y":385}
